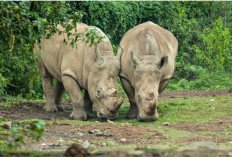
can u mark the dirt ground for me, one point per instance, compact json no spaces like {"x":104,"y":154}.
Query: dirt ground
{"x":61,"y":133}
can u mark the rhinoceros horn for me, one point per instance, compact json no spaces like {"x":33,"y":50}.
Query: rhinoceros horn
{"x":135,"y":59}
{"x":118,"y":103}
{"x":100,"y":58}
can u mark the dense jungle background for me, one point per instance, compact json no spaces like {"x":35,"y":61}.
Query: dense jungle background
{"x":204,"y":62}
{"x":203,"y":30}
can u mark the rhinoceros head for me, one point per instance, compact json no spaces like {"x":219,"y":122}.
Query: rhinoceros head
{"x":149,"y":79}
{"x":102,"y":86}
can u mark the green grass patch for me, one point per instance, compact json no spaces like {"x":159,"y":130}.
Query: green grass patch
{"x":194,"y":110}
{"x":191,"y":110}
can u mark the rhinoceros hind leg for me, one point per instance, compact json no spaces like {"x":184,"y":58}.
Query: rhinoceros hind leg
{"x":59,"y":89}
{"x":47,"y":88}
{"x":88,"y":106}
{"x":73,"y":88}
{"x":133,"y":111}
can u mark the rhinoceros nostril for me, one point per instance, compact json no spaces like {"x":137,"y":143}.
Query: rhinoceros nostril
{"x":152,"y":107}
{"x":100,"y":115}
{"x":113,"y":111}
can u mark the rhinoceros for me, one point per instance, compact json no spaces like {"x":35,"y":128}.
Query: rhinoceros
{"x":147,"y":64}
{"x":93,"y":69}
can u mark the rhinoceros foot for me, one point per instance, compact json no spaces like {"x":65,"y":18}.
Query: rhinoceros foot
{"x":60,"y":107}
{"x":50,"y":108}
{"x":79,"y":115}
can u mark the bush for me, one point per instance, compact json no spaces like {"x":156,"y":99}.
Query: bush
{"x":215,"y":53}
{"x":206,"y":80}
{"x":3,"y":84}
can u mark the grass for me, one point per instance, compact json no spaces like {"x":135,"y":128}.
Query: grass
{"x":191,"y":110}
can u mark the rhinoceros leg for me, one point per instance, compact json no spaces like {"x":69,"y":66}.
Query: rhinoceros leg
{"x":47,"y":88}
{"x":133,"y":110}
{"x":59,"y":89}
{"x":163,"y":85}
{"x":74,"y":90}
{"x":88,"y":106}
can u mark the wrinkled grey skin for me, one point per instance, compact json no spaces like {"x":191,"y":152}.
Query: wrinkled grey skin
{"x":94,"y":69}
{"x":147,"y":64}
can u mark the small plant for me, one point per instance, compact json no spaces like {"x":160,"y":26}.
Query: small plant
{"x":14,"y":134}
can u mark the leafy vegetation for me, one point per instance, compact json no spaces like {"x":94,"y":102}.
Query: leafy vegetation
{"x":22,"y":24}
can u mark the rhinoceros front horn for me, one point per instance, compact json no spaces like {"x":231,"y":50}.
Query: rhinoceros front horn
{"x":135,"y":59}
{"x":99,"y":57}
{"x":118,"y":103}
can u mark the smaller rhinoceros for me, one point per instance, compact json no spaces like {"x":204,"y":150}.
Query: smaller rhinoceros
{"x":92,"y":68}
{"x":147,"y":64}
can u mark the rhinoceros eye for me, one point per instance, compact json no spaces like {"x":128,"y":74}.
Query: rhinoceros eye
{"x":99,"y":92}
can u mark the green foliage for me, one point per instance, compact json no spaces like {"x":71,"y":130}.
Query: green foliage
{"x":3,"y":84}
{"x":13,"y":135}
{"x":114,"y":18}
{"x":215,"y":53}
{"x":205,"y":80}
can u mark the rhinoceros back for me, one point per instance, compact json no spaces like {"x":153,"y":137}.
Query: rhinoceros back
{"x":60,"y":58}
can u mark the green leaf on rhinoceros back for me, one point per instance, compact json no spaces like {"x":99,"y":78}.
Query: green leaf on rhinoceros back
{"x":69,"y":34}
{"x":72,"y":43}
{"x":92,"y":36}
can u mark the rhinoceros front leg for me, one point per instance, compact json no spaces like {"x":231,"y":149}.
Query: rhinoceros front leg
{"x":88,"y":106}
{"x":133,"y":110}
{"x":59,"y":89}
{"x":48,"y":89}
{"x":73,"y":88}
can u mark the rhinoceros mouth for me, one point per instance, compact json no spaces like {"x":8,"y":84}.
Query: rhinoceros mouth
{"x":147,"y":119}
{"x":144,"y":117}
{"x":102,"y":117}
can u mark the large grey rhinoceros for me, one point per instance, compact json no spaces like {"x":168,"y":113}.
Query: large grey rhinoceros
{"x":92,"y":68}
{"x":147,"y":64}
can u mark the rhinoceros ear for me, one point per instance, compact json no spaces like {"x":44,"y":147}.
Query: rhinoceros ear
{"x":136,"y":61}
{"x":163,"y":62}
{"x":99,"y":57}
